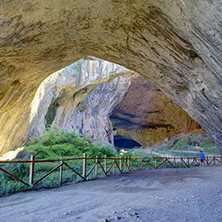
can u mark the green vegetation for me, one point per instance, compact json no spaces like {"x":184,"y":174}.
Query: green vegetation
{"x":9,"y":185}
{"x":54,"y":144}
{"x":206,"y":143}
{"x":57,"y":143}
{"x":187,"y":145}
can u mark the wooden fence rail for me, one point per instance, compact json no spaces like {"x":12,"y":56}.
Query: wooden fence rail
{"x":116,"y":163}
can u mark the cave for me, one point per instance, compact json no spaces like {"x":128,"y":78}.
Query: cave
{"x":125,"y":143}
{"x":175,"y":46}
{"x":102,"y":110}
{"x":148,"y":116}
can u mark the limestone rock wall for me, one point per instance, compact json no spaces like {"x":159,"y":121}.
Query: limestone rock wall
{"x":175,"y":44}
{"x":91,"y":117}
{"x":68,"y":99}
{"x":147,"y":116}
{"x":138,"y":109}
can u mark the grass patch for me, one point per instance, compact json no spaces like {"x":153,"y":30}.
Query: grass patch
{"x":182,"y":144}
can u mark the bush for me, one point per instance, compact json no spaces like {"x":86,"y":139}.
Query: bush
{"x":19,"y":170}
{"x":9,"y":185}
{"x":56,"y":143}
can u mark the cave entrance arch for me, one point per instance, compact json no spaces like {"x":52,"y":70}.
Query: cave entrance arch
{"x":82,"y":97}
{"x":170,"y":44}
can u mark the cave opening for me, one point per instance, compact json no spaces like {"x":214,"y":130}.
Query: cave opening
{"x":125,"y":143}
{"x":128,"y":112}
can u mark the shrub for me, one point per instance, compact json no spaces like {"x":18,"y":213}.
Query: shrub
{"x":17,"y":169}
{"x":56,"y":143}
{"x":9,"y":185}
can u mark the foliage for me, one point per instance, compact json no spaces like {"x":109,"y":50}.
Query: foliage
{"x":206,"y":143}
{"x":57,"y":143}
{"x":54,"y":144}
{"x":182,"y":144}
{"x":18,"y":170}
{"x":8,"y":184}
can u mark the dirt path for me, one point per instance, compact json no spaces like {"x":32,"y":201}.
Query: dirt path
{"x":157,"y":195}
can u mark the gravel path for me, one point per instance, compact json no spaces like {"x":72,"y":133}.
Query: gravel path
{"x":193,"y":194}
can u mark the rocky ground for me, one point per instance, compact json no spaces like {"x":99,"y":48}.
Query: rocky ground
{"x":193,"y":194}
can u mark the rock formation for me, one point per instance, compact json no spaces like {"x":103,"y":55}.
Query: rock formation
{"x":147,"y":116}
{"x":72,"y":99}
{"x":176,"y":45}
{"x":91,"y":117}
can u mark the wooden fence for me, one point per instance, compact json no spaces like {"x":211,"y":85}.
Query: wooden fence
{"x":108,"y":164}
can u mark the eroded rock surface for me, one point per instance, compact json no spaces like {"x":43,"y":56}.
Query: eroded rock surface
{"x":72,"y":99}
{"x":147,"y":116}
{"x":91,"y":117}
{"x":174,"y":44}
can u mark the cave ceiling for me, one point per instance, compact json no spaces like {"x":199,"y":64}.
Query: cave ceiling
{"x":175,"y":44}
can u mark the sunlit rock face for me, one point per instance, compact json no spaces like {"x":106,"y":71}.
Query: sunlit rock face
{"x":72,"y":100}
{"x":147,"y":116}
{"x":68,"y":99}
{"x":91,"y":117}
{"x":174,"y":44}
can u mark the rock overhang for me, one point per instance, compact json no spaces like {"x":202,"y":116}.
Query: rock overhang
{"x":176,"y":46}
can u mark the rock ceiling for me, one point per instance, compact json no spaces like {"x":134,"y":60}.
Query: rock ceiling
{"x":175,"y":44}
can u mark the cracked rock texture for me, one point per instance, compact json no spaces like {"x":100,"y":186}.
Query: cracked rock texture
{"x":175,"y":44}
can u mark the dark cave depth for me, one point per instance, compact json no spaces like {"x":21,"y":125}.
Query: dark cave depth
{"x":121,"y":142}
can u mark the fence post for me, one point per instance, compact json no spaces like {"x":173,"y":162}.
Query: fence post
{"x":174,"y":161}
{"x":124,"y":163}
{"x":188,"y":162}
{"x":120,"y":163}
{"x":207,"y":160}
{"x":181,"y":162}
{"x":105,"y":163}
{"x":113,"y":165}
{"x":129,"y":163}
{"x":32,"y":168}
{"x":84,"y":165}
{"x":155,"y":162}
{"x":96,"y":166}
{"x":60,"y":175}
